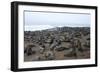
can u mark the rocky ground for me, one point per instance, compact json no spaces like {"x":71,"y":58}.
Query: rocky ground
{"x":57,"y":44}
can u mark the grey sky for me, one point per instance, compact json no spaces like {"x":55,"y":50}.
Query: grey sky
{"x":45,"y":20}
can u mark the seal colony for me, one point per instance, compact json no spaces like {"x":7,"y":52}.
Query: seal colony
{"x":60,"y":43}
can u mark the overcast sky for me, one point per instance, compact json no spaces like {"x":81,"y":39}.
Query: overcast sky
{"x":46,"y":20}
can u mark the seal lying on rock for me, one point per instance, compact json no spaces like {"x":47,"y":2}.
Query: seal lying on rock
{"x":49,"y":55}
